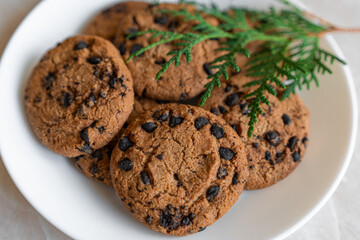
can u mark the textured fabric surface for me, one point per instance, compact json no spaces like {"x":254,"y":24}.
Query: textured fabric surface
{"x":338,"y":219}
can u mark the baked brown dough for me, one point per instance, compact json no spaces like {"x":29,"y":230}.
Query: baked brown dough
{"x":178,"y":168}
{"x":79,"y":96}
{"x":280,"y":136}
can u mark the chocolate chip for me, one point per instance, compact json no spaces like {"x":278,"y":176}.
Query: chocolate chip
{"x":145,"y":178}
{"x":174,"y":121}
{"x":273,"y":138}
{"x":78,"y":158}
{"x":286,"y":119}
{"x":162,"y":20}
{"x":304,"y":141}
{"x":94,"y":60}
{"x":125,"y":164}
{"x":292,"y":142}
{"x":66,"y":66}
{"x":222,"y":109}
{"x":90,"y":101}
{"x":85,"y":135}
{"x":67,"y":99}
{"x":136,"y":47}
{"x":255,"y":145}
{"x":93,"y":124}
{"x":97,"y":155}
{"x":100,"y":179}
{"x":148,"y":219}
{"x":173,"y":25}
{"x":201,"y":229}
{"x":296,"y":156}
{"x":161,"y":117}
{"x":243,"y":105}
{"x":102,"y":94}
{"x":226,"y":153}
{"x":94,"y":169}
{"x":200,"y":122}
{"x":212,"y":192}
{"x":235,"y":179}
{"x":227,"y":88}
{"x":207,"y":69}
{"x":149,"y":126}
{"x":101,"y":129}
{"x":214,"y":111}
{"x":160,"y":62}
{"x":217,"y":130}
{"x":125,"y":144}
{"x":221,"y":173}
{"x":48,"y":81}
{"x":95,"y":70}
{"x":160,"y":156}
{"x":267,"y":156}
{"x":86,"y":149}
{"x":247,"y":111}
{"x":278,"y":157}
{"x":122,"y":48}
{"x":183,"y":96}
{"x":130,"y":31}
{"x":167,"y":220}
{"x":232,"y":99}
{"x":186,"y":221}
{"x":81,"y":45}
{"x":114,"y":79}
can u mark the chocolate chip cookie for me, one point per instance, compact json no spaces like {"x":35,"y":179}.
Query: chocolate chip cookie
{"x":280,"y":137}
{"x":79,"y":96}
{"x":177,"y":83}
{"x":97,"y":165}
{"x":178,"y":168}
{"x":105,"y":23}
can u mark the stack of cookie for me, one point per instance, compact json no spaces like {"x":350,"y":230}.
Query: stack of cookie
{"x":177,"y":168}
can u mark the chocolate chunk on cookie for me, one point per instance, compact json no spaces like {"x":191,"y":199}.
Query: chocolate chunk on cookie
{"x":86,"y":95}
{"x":97,"y":165}
{"x":276,"y":147}
{"x":184,"y":175}
{"x":105,"y":23}
{"x":177,"y":83}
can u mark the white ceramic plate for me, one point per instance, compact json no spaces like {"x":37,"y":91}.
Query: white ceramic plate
{"x":84,"y":209}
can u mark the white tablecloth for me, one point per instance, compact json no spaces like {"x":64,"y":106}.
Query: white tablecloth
{"x":338,"y":219}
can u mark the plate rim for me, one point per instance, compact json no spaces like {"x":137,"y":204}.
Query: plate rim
{"x":345,"y":69}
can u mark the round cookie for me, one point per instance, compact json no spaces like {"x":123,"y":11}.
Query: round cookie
{"x":177,"y":83}
{"x":97,"y":165}
{"x":280,"y":136}
{"x":79,"y":96}
{"x":178,"y":168}
{"x":105,"y":23}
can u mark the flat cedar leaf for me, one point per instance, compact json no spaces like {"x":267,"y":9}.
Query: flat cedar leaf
{"x":289,"y":49}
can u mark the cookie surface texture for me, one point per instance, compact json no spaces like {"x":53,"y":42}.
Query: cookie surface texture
{"x":79,"y":96}
{"x":97,"y":165}
{"x":181,"y":169}
{"x":177,"y":83}
{"x":280,"y":137}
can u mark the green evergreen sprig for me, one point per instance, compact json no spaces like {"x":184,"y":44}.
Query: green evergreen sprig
{"x":289,"y":51}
